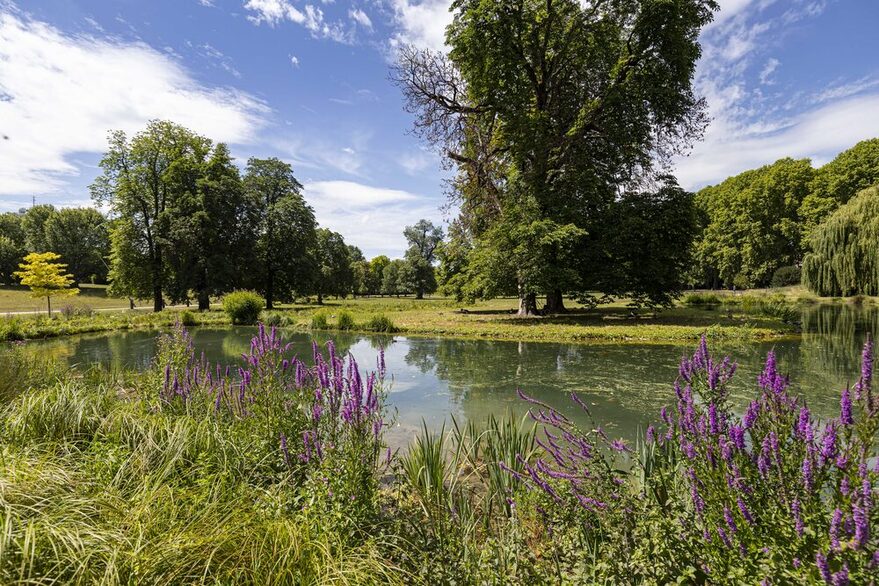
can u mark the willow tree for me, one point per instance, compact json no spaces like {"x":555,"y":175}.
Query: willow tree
{"x":548,"y":110}
{"x":844,"y":255}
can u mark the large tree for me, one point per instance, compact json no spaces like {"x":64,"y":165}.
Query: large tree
{"x":284,"y":229}
{"x":549,"y":109}
{"x":34,"y":225}
{"x":335,"y":275}
{"x":81,"y":236}
{"x":753,"y":224}
{"x":146,"y":181}
{"x":424,"y":238}
{"x":844,"y":256}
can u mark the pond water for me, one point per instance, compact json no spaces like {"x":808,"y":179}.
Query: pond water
{"x":624,"y":384}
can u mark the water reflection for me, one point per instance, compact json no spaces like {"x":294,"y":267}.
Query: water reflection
{"x":625,"y":385}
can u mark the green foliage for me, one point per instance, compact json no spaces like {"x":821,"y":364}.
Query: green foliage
{"x":345,"y":321}
{"x":332,"y":258}
{"x":243,"y":307}
{"x":81,"y":237}
{"x":11,"y":253}
{"x":752,"y":224}
{"x":319,"y":321}
{"x":282,"y":232}
{"x":187,"y":318}
{"x":46,"y":277}
{"x":843,"y":259}
{"x":786,"y":277}
{"x":424,"y":238}
{"x":521,"y":129}
{"x":700,"y":298}
{"x":380,"y":323}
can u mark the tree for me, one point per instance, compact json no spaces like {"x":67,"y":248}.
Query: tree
{"x":33,"y":223}
{"x":45,"y":277}
{"x":423,"y":239}
{"x":145,"y":181}
{"x":398,"y":278}
{"x":376,"y":274}
{"x":284,"y":229}
{"x":81,"y":236}
{"x":548,"y":109}
{"x":753,"y":224}
{"x":11,"y":253}
{"x":333,"y":260}
{"x":11,"y":227}
{"x":223,"y":224}
{"x":844,"y":250}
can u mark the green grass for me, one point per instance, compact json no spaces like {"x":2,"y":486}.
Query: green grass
{"x":493,"y":319}
{"x":18,"y":299}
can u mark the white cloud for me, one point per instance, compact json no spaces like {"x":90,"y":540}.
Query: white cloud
{"x":421,"y":22}
{"x":768,"y":70}
{"x":294,"y":60}
{"x":371,"y":218}
{"x":273,"y":12}
{"x":60,"y":94}
{"x":360,"y":17}
{"x":819,"y":134}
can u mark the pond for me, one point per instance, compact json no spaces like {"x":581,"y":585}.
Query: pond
{"x":625,"y":384}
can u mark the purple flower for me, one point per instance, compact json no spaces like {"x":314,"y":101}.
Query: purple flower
{"x":841,"y":577}
{"x":828,"y":444}
{"x":823,"y":567}
{"x":835,"y":523}
{"x":743,"y":509}
{"x":730,"y":520}
{"x":845,"y":408}
{"x":863,"y":385}
{"x":861,"y":517}
{"x":807,"y":472}
{"x":804,"y":425}
{"x":798,"y":517}
{"x":651,"y":434}
{"x":751,"y":415}
{"x":737,"y":435}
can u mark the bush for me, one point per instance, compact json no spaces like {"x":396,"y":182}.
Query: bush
{"x":319,"y":321}
{"x":786,"y":276}
{"x":243,"y":307}
{"x":69,"y":310}
{"x":698,"y":298}
{"x":274,"y":319}
{"x":380,"y":323}
{"x":187,"y":318}
{"x":345,"y":321}
{"x":11,"y":329}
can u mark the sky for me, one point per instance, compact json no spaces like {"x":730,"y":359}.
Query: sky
{"x":307,"y":81}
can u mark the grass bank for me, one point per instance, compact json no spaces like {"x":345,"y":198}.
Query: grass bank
{"x":493,"y":319}
{"x":278,"y":474}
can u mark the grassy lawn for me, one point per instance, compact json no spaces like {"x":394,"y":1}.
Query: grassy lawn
{"x":496,"y":319}
{"x":493,"y":319}
{"x":18,"y":299}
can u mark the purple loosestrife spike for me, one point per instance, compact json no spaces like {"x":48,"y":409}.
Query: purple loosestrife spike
{"x":875,"y":561}
{"x":808,"y":474}
{"x":835,"y":523}
{"x":861,"y":518}
{"x":823,"y":567}
{"x":737,"y":435}
{"x":804,"y":425}
{"x":713,"y":425}
{"x":730,"y":520}
{"x":743,"y":509}
{"x":828,"y":444}
{"x":765,"y":458}
{"x":864,"y":385}
{"x":284,"y":449}
{"x":845,"y":408}
{"x":751,"y":415}
{"x":797,"y":513}
{"x":840,"y":578}
{"x":651,"y":434}
{"x":724,"y":537}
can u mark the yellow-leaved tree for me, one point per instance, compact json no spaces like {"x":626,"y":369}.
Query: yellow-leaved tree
{"x":45,"y":277}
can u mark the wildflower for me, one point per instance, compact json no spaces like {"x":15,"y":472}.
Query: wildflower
{"x":828,"y":444}
{"x":737,"y":435}
{"x":845,"y":408}
{"x":840,"y":578}
{"x":730,"y":520}
{"x":807,"y":472}
{"x":751,"y":415}
{"x":863,"y":385}
{"x":651,"y":434}
{"x":743,"y":509}
{"x":798,"y":517}
{"x":835,"y":522}
{"x":804,"y":426}
{"x":862,"y":524}
{"x":823,"y":567}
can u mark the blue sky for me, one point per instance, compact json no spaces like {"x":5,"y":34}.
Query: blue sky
{"x":307,"y":81}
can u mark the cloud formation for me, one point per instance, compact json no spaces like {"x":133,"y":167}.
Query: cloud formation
{"x":60,"y":95}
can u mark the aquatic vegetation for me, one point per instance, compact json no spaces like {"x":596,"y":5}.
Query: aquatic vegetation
{"x":275,"y":469}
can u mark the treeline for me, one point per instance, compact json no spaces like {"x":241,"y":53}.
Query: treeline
{"x":79,"y":235}
{"x":185,"y":223}
{"x":758,"y":228}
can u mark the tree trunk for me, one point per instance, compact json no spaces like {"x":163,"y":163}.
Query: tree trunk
{"x":527,"y":304}
{"x":158,"y":302}
{"x":49,"y":304}
{"x":320,"y":298}
{"x":270,"y":289}
{"x":555,"y":302}
{"x":419,"y":294}
{"x":204,"y":300}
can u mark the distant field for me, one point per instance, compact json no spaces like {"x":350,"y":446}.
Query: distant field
{"x":16,"y":299}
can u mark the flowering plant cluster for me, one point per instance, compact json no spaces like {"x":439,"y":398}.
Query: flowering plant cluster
{"x":326,"y":421}
{"x":773,"y":493}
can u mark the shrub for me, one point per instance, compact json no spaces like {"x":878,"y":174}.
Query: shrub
{"x":273,"y":319}
{"x":243,"y":307}
{"x":70,"y":310}
{"x":701,"y":298}
{"x":380,"y":323}
{"x":319,"y":321}
{"x":345,"y":321}
{"x":11,"y":329}
{"x":187,"y":318}
{"x":786,"y":276}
